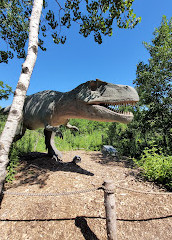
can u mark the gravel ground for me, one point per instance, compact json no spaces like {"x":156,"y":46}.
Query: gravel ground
{"x":140,"y":216}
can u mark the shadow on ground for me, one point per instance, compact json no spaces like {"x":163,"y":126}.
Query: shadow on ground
{"x":87,"y":233}
{"x":105,"y":159}
{"x":35,"y":168}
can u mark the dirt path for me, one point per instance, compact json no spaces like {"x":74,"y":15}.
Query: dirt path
{"x":81,"y":216}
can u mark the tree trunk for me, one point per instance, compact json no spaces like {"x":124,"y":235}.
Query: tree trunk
{"x":15,"y":114}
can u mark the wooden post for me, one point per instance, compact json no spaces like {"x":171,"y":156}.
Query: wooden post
{"x":110,"y":208}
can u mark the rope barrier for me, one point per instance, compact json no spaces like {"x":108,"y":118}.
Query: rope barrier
{"x":144,"y":192}
{"x":49,"y":194}
{"x":80,"y":191}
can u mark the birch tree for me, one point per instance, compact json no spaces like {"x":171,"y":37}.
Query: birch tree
{"x":15,"y":115}
{"x":96,"y":18}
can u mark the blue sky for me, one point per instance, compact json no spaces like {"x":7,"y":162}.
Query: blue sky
{"x":63,"y":67}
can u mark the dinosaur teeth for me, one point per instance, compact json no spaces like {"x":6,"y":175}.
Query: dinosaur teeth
{"x":118,"y":104}
{"x":115,"y":107}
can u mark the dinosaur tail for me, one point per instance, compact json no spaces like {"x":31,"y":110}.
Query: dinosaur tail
{"x":5,"y":110}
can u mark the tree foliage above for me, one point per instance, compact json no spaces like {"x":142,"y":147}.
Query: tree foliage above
{"x":14,"y":26}
{"x":97,"y":17}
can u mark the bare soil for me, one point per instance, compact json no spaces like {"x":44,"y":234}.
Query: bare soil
{"x":81,"y":215}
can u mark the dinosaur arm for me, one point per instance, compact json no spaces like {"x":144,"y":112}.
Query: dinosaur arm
{"x":68,"y":125}
{"x":56,"y":130}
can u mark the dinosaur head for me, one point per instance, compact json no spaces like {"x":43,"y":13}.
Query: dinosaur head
{"x":98,"y":100}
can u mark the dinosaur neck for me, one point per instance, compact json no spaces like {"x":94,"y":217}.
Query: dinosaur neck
{"x":65,"y":107}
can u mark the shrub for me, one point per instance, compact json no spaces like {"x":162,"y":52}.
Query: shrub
{"x":156,"y":166}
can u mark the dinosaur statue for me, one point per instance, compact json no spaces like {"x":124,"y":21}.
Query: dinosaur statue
{"x":93,"y":100}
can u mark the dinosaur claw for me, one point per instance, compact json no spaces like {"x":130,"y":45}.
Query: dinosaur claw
{"x":59,"y":134}
{"x":76,"y":159}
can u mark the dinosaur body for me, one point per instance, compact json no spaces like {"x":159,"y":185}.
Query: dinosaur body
{"x":93,"y":100}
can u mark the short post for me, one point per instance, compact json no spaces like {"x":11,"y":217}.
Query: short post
{"x":110,"y":208}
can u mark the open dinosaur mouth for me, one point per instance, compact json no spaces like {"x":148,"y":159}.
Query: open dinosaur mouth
{"x":115,"y":107}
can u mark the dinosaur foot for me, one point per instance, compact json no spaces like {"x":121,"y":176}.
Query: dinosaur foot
{"x":58,"y":160}
{"x":76,"y":160}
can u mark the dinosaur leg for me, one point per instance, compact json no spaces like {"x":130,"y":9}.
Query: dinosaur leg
{"x":19,"y":134}
{"x":50,"y":145}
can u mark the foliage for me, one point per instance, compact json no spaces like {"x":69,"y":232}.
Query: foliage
{"x":156,"y":166}
{"x":95,"y":17}
{"x":5,"y":91}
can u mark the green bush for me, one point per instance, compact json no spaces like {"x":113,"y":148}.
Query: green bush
{"x":156,"y":166}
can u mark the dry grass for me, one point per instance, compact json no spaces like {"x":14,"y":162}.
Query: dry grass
{"x":81,"y":216}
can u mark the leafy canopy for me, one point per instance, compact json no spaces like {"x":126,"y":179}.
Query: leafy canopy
{"x":95,"y":17}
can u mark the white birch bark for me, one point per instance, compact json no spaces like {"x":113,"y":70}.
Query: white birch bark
{"x":15,"y":114}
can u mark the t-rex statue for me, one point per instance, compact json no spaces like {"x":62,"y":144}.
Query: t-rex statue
{"x":93,"y":100}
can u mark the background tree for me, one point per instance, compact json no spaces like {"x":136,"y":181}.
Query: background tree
{"x":154,"y":85}
{"x":152,"y":124}
{"x":97,"y":17}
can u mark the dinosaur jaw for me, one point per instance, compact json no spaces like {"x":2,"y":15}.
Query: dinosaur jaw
{"x":110,"y":112}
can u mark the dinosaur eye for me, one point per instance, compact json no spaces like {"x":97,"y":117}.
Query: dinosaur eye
{"x":93,"y":85}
